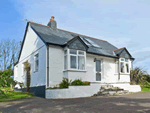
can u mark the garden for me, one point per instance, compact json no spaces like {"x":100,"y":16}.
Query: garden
{"x":7,"y":83}
{"x":66,"y":83}
{"x":139,"y":76}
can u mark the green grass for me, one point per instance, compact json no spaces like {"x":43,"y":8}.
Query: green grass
{"x":14,"y":95}
{"x":146,"y":87}
{"x":5,"y":87}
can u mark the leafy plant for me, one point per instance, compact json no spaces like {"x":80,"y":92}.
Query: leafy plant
{"x":86,"y":82}
{"x":2,"y":93}
{"x":5,"y":79}
{"x":137,"y":76}
{"x":65,"y":83}
{"x":27,"y":68}
{"x":77,"y":82}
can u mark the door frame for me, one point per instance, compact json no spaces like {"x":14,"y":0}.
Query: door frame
{"x":101,"y":69}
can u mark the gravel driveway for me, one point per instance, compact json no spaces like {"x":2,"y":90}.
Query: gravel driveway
{"x":135,"y":103}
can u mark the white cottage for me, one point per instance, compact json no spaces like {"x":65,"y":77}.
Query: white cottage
{"x":55,"y":53}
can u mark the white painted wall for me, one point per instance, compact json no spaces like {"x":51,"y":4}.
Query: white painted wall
{"x":32,"y":45}
{"x":130,"y":88}
{"x":73,"y":91}
{"x":109,"y":74}
{"x":56,"y":64}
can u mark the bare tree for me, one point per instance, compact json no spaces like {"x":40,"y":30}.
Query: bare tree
{"x":9,"y":51}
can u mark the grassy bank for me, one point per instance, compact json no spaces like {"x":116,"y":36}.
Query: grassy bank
{"x":13,"y":95}
{"x":146,"y":87}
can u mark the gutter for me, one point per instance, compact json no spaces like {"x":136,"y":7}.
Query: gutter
{"x":102,"y":55}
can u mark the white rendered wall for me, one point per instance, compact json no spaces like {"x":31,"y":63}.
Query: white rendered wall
{"x":32,"y":45}
{"x":130,"y":88}
{"x":56,"y":65}
{"x":56,"y":60}
{"x":73,"y":91}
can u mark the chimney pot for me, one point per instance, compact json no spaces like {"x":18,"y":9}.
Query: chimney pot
{"x":52,"y":23}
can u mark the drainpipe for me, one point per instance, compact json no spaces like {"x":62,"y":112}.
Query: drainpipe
{"x":118,"y":68}
{"x":47,"y":85}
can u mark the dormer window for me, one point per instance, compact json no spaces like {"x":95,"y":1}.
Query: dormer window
{"x":124,"y":65}
{"x":74,"y":59}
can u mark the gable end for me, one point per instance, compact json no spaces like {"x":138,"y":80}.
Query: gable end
{"x":77,"y":43}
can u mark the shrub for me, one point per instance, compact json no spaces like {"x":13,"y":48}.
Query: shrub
{"x":65,"y":83}
{"x":77,"y":82}
{"x":86,"y":83}
{"x":5,"y":79}
{"x":137,"y":77}
{"x":147,"y":78}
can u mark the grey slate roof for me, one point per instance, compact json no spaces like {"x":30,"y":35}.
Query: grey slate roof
{"x":61,"y":37}
{"x":119,"y":51}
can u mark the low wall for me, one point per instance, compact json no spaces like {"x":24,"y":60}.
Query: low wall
{"x":73,"y":91}
{"x":130,"y":88}
{"x":38,"y":91}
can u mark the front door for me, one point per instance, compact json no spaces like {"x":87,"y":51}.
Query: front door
{"x":98,"y":70}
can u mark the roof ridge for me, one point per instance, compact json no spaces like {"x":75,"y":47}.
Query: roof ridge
{"x":67,"y":31}
{"x":38,"y":24}
{"x":81,"y":34}
{"x":119,"y":49}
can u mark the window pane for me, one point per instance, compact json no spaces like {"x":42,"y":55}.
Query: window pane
{"x":65,"y":62}
{"x":126,"y":60}
{"x":98,"y":65}
{"x":122,"y":59}
{"x":73,"y":62}
{"x":81,"y":53}
{"x":127,"y":68}
{"x":81,"y":62}
{"x":122,"y":67}
{"x":37,"y":65}
{"x":98,"y":76}
{"x":73,"y":51}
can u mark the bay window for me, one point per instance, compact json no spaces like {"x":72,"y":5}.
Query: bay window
{"x":74,"y":59}
{"x":124,"y":65}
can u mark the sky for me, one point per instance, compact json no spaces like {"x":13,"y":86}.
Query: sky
{"x":123,"y":23}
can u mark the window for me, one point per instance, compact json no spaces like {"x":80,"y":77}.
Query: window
{"x":16,"y":72}
{"x":22,"y":69}
{"x":75,"y":58}
{"x":65,"y":60}
{"x":124,"y":65}
{"x":36,"y":62}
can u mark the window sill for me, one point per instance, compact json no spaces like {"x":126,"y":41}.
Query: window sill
{"x":124,"y":73}
{"x":75,"y":70}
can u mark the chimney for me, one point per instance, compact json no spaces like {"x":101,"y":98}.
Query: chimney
{"x":52,"y":23}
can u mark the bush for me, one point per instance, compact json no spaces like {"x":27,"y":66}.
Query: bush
{"x":5,"y":79}
{"x":65,"y":83}
{"x":77,"y":82}
{"x":80,"y":82}
{"x":86,"y":83}
{"x":137,"y":77}
{"x":147,"y":78}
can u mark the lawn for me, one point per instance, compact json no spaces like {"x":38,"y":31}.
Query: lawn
{"x":146,"y":87}
{"x":14,"y":95}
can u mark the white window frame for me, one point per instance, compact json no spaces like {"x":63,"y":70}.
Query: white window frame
{"x":36,"y":69}
{"x":68,"y":59}
{"x":124,"y":62}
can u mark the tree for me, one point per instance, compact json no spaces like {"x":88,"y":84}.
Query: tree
{"x":27,"y":69}
{"x":9,"y":52}
{"x":137,"y":76}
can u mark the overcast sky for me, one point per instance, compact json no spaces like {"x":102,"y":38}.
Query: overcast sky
{"x":123,"y":23}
